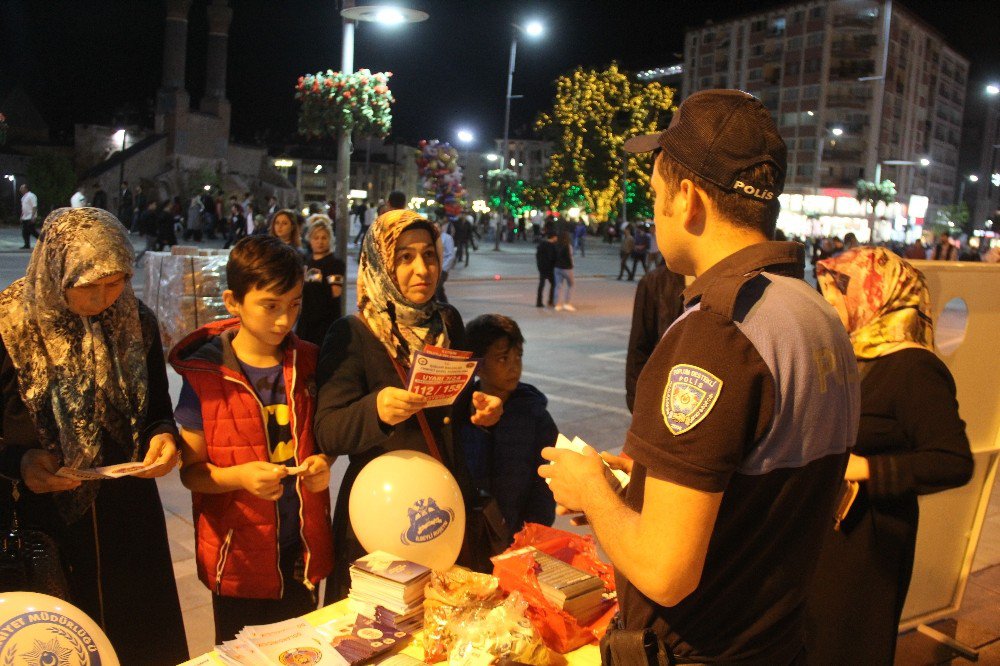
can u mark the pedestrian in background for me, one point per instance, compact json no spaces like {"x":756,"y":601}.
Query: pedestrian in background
{"x":625,"y":251}
{"x":447,"y":260}
{"x":29,"y":214}
{"x":564,"y":273}
{"x":545,"y":260}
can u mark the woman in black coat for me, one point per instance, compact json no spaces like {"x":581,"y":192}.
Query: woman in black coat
{"x":911,"y":441}
{"x":363,"y":409}
{"x":83,"y":384}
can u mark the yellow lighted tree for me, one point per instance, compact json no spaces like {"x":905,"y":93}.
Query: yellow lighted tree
{"x":594,"y":112}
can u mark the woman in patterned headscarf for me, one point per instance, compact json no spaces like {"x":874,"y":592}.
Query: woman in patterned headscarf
{"x":911,"y":441}
{"x":83,"y":384}
{"x":363,"y":409}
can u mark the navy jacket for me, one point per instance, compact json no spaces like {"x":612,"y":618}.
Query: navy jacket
{"x":504,"y":459}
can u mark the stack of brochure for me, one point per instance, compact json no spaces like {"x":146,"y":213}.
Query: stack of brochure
{"x":389,"y":590}
{"x":575,"y":591}
{"x":290,"y":642}
{"x":362,"y":640}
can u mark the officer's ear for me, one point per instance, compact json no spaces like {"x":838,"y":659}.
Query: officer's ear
{"x":691,"y":204}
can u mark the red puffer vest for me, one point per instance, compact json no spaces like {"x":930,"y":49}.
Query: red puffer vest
{"x":237,"y":532}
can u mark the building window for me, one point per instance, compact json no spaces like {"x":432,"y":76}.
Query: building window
{"x":810,"y":92}
{"x":791,"y":94}
{"x":777,"y":27}
{"x":792,"y":68}
{"x":757,"y":50}
{"x":708,"y":60}
{"x":817,"y":12}
{"x":814,"y":39}
{"x":795,"y":43}
{"x":757,"y":25}
{"x":755,"y":74}
{"x":798,"y":16}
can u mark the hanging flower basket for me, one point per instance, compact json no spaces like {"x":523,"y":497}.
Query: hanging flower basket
{"x":358,"y":103}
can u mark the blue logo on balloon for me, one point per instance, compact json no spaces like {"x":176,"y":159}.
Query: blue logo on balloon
{"x":428,"y":521}
{"x":48,"y":639}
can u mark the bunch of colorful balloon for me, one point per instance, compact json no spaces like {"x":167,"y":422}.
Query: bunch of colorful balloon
{"x":437,"y":165}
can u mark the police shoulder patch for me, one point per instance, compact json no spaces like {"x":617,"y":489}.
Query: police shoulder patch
{"x":688,"y":397}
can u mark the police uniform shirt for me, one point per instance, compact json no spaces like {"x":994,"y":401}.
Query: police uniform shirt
{"x":752,"y":392}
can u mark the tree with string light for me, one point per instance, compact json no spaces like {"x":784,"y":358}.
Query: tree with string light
{"x":594,"y":112}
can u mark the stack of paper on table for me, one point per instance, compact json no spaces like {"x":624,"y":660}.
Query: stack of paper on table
{"x":577,"y":592}
{"x":290,"y":642}
{"x":389,"y":589}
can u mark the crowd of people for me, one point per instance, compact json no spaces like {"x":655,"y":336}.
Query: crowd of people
{"x":758,"y":406}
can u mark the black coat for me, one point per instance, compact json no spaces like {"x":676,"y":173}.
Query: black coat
{"x":659,"y":301}
{"x":353,"y":368}
{"x":123,"y":537}
{"x":915,"y":442}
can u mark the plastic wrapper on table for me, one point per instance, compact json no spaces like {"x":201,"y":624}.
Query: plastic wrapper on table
{"x":184,"y":291}
{"x":516,"y":571}
{"x":483,"y":635}
{"x":446,"y":596}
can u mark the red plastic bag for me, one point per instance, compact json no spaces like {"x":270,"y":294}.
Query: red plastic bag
{"x":516,"y":570}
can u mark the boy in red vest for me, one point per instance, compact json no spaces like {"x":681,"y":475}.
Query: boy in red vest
{"x":260,"y":491}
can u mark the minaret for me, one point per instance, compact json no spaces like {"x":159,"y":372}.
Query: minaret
{"x":172,"y":99}
{"x":219,"y":17}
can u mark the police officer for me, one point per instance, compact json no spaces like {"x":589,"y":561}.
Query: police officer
{"x":743,"y":415}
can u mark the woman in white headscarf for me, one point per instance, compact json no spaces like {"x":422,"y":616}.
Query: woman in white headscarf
{"x":83,"y":384}
{"x":363,"y":409}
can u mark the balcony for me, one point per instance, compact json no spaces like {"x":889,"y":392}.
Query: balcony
{"x":854,"y":21}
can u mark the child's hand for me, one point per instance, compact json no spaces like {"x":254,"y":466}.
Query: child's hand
{"x":488,"y":409}
{"x":263,"y":479}
{"x":316,"y":476}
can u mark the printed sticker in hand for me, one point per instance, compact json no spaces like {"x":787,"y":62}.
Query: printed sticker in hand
{"x":688,"y":397}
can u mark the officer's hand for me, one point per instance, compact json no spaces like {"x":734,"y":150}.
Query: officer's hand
{"x":395,"y":405}
{"x":262,"y":479}
{"x":572,"y":475}
{"x":623,"y":463}
{"x":38,"y":469}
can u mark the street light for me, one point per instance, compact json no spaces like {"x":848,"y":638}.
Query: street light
{"x":533,"y":29}
{"x":972,"y":178}
{"x":388,"y":14}
{"x":121,"y":135}
{"x":993,"y":89}
{"x":836,"y":132}
{"x":465,"y":136}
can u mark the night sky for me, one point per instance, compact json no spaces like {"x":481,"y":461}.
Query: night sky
{"x":88,"y":61}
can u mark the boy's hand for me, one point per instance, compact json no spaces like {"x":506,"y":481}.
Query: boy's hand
{"x":162,"y":448}
{"x":395,"y":405}
{"x":489,"y":409}
{"x":316,"y":476}
{"x":263,"y":479}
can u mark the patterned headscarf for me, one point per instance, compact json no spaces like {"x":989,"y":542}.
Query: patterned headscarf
{"x":80,"y":378}
{"x":882,"y":299}
{"x":400,"y":324}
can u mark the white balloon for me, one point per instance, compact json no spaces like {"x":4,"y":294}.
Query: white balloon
{"x":408,"y":504}
{"x":40,"y":629}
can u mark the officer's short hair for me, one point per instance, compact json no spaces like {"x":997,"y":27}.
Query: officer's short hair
{"x":737,"y":209}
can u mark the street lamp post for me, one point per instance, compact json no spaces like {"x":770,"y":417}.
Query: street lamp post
{"x":351,"y":13}
{"x":121,"y":174}
{"x":972,"y":178}
{"x":532,"y":29}
{"x":837,"y":132}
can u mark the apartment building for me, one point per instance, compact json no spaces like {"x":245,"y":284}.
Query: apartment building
{"x":857,"y":87}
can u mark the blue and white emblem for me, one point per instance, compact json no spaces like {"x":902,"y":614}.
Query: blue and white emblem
{"x":688,"y":397}
{"x":428,"y":521}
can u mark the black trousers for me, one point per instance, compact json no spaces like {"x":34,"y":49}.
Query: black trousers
{"x":233,"y":613}
{"x":27,"y":231}
{"x":542,"y":278}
